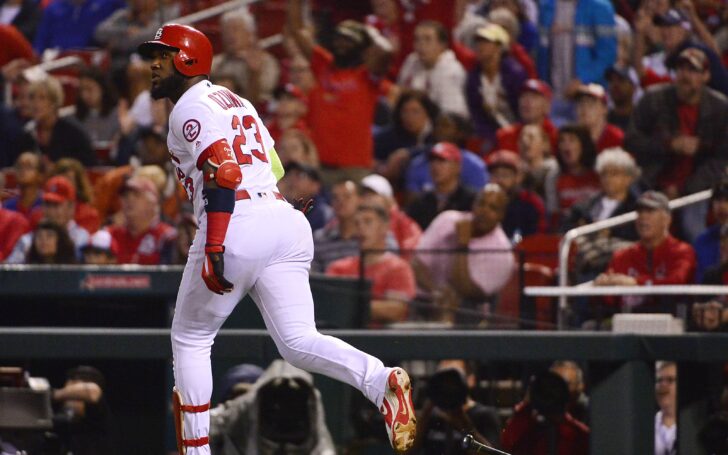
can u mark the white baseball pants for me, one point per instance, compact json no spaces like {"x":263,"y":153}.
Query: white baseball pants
{"x":268,"y":252}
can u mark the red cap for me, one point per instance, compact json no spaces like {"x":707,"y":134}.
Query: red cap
{"x":506,"y":158}
{"x":537,"y":86}
{"x":446,"y":151}
{"x":593,"y":90}
{"x":59,"y":189}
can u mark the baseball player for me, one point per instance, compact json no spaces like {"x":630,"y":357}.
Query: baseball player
{"x":249,"y":241}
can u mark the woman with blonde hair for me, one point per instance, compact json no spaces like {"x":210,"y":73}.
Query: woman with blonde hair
{"x":54,"y":136}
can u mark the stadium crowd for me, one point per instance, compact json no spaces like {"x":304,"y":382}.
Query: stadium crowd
{"x":439,"y":141}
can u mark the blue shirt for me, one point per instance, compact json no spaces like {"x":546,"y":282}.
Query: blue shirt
{"x":707,"y":250}
{"x":67,"y":25}
{"x":473,"y":174}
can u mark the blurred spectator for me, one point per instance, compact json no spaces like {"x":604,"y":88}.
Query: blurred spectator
{"x":433,"y":68}
{"x":85,"y":421}
{"x":12,"y":226}
{"x":386,"y":18}
{"x":338,"y":238}
{"x":678,"y":135}
{"x":300,"y":74}
{"x":578,"y":405}
{"x":678,"y":131}
{"x":143,"y":238}
{"x":617,"y":174}
{"x":492,"y":87}
{"x":295,"y":147}
{"x":304,"y":182}
{"x":59,"y":207}
{"x":100,"y":250}
{"x":96,"y":109}
{"x":623,"y":88}
{"x":679,"y":29}
{"x":131,"y":25}
{"x":525,"y":213}
{"x":341,"y":106}
{"x":238,"y":380}
{"x":507,"y":19}
{"x":707,"y":244}
{"x":70,"y":24}
{"x":15,"y":46}
{"x":539,"y":165}
{"x":393,"y":282}
{"x":85,"y":214}
{"x":186,"y":230}
{"x":526,"y":12}
{"x":591,"y":112}
{"x":289,"y":113}
{"x":577,"y":43}
{"x":54,"y":136}
{"x":24,"y":15}
{"x":11,"y":130}
{"x":412,"y":123}
{"x":406,"y":231}
{"x":666,"y":417}
{"x":466,"y":255}
{"x":448,"y":192}
{"x":256,"y":71}
{"x":718,"y":273}
{"x":657,"y":258}
{"x":450,"y":412}
{"x":576,"y":179}
{"x":713,"y":435}
{"x":49,"y":244}
{"x":29,"y":176}
{"x":451,"y":128}
{"x":281,"y":413}
{"x":541,"y":421}
{"x":534,"y":104}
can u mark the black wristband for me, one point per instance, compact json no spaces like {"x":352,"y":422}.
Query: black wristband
{"x":219,"y":199}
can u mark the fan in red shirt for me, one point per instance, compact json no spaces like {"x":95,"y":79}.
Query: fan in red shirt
{"x":534,"y":105}
{"x":393,"y":281}
{"x":12,"y":226}
{"x":591,"y":112}
{"x":143,"y":238}
{"x":658,"y":258}
{"x":341,"y":106}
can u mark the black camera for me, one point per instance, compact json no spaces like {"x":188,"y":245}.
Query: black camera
{"x":549,"y":394}
{"x":448,"y":389}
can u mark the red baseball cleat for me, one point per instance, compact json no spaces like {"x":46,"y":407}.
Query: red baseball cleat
{"x":399,"y":414}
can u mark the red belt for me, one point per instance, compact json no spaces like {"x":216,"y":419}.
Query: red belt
{"x":243,"y":194}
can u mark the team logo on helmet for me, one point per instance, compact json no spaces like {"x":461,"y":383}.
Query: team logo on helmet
{"x":158,"y":35}
{"x":191,"y":129}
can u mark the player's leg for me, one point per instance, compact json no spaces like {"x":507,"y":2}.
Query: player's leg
{"x":199,"y":314}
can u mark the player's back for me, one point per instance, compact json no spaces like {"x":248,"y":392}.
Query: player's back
{"x":206,"y":114}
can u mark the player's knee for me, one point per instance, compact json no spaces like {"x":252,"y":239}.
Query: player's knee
{"x":296,"y":350}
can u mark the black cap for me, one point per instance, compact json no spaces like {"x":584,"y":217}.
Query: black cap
{"x":671,"y":17}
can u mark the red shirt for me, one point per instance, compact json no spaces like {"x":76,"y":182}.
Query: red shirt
{"x":341,"y":111}
{"x":523,"y":435}
{"x":391,"y":276}
{"x":574,"y":188}
{"x":612,"y":136}
{"x":672,"y":262}
{"x":144,"y":249}
{"x":12,"y":226}
{"x":405,"y":230}
{"x":507,"y":137}
{"x":14,"y":46}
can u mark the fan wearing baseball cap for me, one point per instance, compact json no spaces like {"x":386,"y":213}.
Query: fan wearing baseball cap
{"x":493,"y":86}
{"x":534,"y":105}
{"x":657,"y":257}
{"x":591,"y":112}
{"x":448,"y":192}
{"x":59,"y":206}
{"x":678,"y":135}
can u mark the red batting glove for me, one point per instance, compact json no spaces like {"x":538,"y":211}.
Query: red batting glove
{"x":213,"y":269}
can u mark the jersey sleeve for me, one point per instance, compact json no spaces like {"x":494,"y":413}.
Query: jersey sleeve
{"x":194,"y":128}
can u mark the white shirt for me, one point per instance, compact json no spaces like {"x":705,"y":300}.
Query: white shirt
{"x":664,"y":437}
{"x":79,"y":237}
{"x":205,"y":114}
{"x":607,"y":207}
{"x":8,"y":13}
{"x":444,"y":82}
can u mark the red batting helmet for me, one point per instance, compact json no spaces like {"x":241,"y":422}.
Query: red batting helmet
{"x":195,"y":51}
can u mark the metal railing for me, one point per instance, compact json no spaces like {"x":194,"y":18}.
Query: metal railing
{"x":571,"y":235}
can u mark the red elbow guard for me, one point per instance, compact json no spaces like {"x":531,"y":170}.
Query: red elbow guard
{"x":226,"y":171}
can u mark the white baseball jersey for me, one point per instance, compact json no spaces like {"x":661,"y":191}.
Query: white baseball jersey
{"x":205,"y":114}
